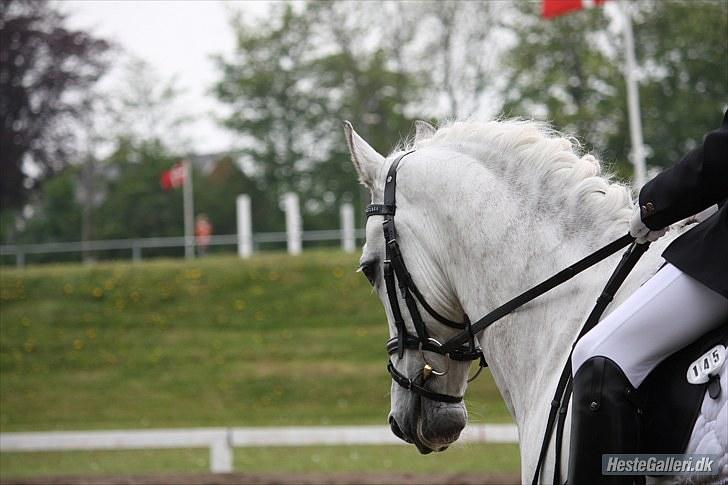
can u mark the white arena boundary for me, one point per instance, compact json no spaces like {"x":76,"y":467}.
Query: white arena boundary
{"x":221,"y":441}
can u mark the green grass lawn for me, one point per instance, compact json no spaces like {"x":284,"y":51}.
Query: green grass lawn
{"x":275,"y":340}
{"x":471,"y":458}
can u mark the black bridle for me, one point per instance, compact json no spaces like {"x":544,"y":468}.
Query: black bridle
{"x":463,"y":346}
{"x":395,"y":271}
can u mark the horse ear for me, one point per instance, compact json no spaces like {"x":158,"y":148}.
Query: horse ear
{"x":423,"y":130}
{"x":367,"y":161}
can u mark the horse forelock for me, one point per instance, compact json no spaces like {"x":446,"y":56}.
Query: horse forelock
{"x":543,"y":165}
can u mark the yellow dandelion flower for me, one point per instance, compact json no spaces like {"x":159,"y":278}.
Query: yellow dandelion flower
{"x":193,"y":274}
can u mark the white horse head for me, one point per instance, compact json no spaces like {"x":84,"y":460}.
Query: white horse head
{"x":484,"y":211}
{"x":429,"y":424}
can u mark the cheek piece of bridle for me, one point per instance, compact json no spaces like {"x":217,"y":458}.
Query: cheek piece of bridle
{"x":396,"y":274}
{"x":462,"y":346}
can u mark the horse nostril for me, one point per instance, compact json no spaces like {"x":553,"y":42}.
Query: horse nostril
{"x":396,"y":430}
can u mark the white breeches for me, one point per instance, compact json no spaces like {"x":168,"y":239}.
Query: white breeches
{"x":668,"y":312}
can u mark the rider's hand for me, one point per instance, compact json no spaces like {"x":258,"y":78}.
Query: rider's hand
{"x":642,"y":233}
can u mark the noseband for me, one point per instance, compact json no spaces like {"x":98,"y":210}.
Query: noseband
{"x":396,"y":274}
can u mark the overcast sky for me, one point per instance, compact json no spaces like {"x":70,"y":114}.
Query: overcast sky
{"x":177,"y":39}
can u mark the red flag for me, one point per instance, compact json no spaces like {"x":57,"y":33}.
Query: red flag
{"x":554,"y":8}
{"x":174,"y":177}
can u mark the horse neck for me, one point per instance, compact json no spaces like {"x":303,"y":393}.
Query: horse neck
{"x":527,"y":349}
{"x":496,"y":261}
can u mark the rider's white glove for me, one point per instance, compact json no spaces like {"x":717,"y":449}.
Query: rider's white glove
{"x":642,"y":233}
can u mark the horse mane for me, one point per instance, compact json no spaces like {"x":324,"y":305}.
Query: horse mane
{"x":544,"y":163}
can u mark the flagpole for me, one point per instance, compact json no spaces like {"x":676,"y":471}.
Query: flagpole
{"x":189,"y":211}
{"x":633,"y":103}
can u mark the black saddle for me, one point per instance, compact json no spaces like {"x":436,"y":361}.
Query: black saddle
{"x":670,"y":404}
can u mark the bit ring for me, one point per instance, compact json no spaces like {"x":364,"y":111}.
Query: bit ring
{"x":431,"y":369}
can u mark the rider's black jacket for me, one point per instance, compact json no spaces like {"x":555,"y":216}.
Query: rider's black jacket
{"x":695,"y":183}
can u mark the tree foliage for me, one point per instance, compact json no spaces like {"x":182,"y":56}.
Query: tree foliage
{"x":569,"y":71}
{"x":288,"y":92}
{"x":44,"y":70}
{"x":293,"y":78}
{"x":683,"y":49}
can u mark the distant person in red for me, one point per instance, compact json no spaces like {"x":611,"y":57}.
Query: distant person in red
{"x":203,"y":232}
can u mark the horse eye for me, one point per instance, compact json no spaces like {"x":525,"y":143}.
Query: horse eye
{"x":370,"y":272}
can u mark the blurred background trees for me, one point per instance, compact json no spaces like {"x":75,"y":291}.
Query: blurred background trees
{"x":82,"y":161}
{"x":45,"y":72}
{"x":569,"y":71}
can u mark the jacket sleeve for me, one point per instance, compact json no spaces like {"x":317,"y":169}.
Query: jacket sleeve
{"x":694,"y":183}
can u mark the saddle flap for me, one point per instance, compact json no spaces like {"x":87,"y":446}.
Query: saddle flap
{"x":672,"y":402}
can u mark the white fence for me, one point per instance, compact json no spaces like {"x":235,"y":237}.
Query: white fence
{"x":221,"y":441}
{"x":245,"y":240}
{"x":136,"y":246}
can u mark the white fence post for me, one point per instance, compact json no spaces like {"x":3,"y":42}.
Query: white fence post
{"x":221,"y":455}
{"x":245,"y":226}
{"x":348,"y":242}
{"x":293,"y":222}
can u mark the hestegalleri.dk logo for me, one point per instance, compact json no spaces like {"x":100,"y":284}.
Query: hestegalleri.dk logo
{"x":643,"y":464}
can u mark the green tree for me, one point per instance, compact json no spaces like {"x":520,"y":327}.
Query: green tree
{"x":264,"y":84}
{"x":135,"y":204}
{"x":58,"y":217}
{"x":558,"y":72}
{"x":45,"y":69}
{"x":569,"y":71}
{"x":272,"y":106}
{"x":290,"y":85}
{"x":682,"y":47}
{"x":216,"y":193}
